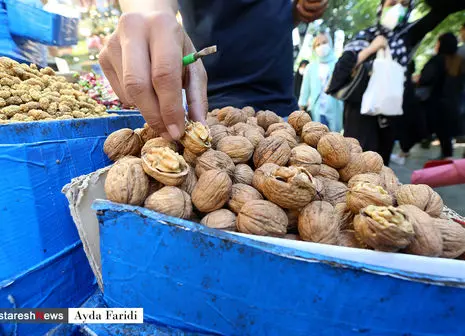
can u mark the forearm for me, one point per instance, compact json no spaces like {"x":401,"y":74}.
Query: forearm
{"x":364,"y":55}
{"x":149,"y":5}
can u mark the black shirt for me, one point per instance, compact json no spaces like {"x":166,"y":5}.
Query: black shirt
{"x":254,"y":62}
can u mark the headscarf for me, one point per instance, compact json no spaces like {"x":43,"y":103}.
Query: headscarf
{"x":448,"y":44}
{"x":331,"y":57}
{"x":399,"y":50}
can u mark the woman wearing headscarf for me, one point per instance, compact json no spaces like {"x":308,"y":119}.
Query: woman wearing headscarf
{"x":443,"y":75}
{"x":324,"y":108}
{"x":376,"y":133}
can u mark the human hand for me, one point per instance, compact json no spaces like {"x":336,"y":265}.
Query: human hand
{"x":380,"y":42}
{"x":309,"y":10}
{"x":142,"y":60}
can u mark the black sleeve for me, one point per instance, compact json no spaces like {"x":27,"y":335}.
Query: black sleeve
{"x":440,"y":10}
{"x":431,"y":72}
{"x":342,"y":74}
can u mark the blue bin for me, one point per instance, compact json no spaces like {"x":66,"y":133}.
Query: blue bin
{"x":36,"y":160}
{"x":33,"y":23}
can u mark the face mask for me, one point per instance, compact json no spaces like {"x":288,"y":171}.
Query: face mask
{"x":323,"y":50}
{"x":393,"y":16}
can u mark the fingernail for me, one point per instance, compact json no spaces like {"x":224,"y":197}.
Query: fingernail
{"x":167,"y":136}
{"x":174,"y":131}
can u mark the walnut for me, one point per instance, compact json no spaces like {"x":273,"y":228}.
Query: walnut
{"x":334,"y":150}
{"x":312,"y":132}
{"x":212,"y":191}
{"x":367,"y":162}
{"x":422,"y":196}
{"x":267,"y":118}
{"x":121,"y":143}
{"x":453,"y":238}
{"x":127,"y":183}
{"x":197,"y":138}
{"x":389,"y":180}
{"x":238,"y":148}
{"x":318,"y":223}
{"x":258,"y":180}
{"x":170,"y":201}
{"x":306,"y":157}
{"x":291,"y":140}
{"x":218,"y":132}
{"x":272,"y":150}
{"x":222,"y":219}
{"x":262,"y":218}
{"x":298,"y":120}
{"x":214,"y":160}
{"x":165,"y":166}
{"x":290,"y":188}
{"x":249,"y":111}
{"x":428,"y":239}
{"x":254,"y":136}
{"x":280,"y":126}
{"x":328,"y":172}
{"x":147,"y":133}
{"x":354,"y":145}
{"x":384,"y":228}
{"x":243,"y":174}
{"x":348,"y":238}
{"x":334,"y":192}
{"x":346,"y":217}
{"x":365,"y":178}
{"x":189,"y":157}
{"x":241,"y":194}
{"x":364,"y":194}
{"x":156,"y":143}
{"x":191,"y":180}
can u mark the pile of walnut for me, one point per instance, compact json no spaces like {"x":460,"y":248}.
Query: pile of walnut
{"x":257,"y":174}
{"x":29,"y":94}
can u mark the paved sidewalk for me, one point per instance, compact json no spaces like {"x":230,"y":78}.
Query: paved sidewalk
{"x":454,"y":196}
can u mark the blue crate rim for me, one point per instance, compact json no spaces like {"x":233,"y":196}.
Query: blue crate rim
{"x":282,"y":251}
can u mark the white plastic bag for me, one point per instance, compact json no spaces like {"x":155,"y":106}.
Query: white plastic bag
{"x":385,"y":92}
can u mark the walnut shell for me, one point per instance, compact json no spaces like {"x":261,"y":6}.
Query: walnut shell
{"x":235,"y":117}
{"x":147,"y":133}
{"x":367,"y":162}
{"x":154,"y":185}
{"x":272,"y":150}
{"x":239,"y":129}
{"x":306,"y":157}
{"x":262,"y":218}
{"x":241,"y":194}
{"x":121,"y":143}
{"x":222,"y":219}
{"x":217,"y":133}
{"x":217,"y":160}
{"x":249,"y":111}
{"x":258,"y":180}
{"x":243,"y":174}
{"x":389,"y":180}
{"x":328,"y":172}
{"x":334,"y":192}
{"x":334,"y":150}
{"x":422,"y":196}
{"x":312,"y":132}
{"x":364,"y":194}
{"x":127,"y":183}
{"x":384,"y":228}
{"x":365,"y":178}
{"x":298,"y":120}
{"x":267,"y":118}
{"x":196,"y":138}
{"x":212,"y":191}
{"x":170,"y":201}
{"x":318,"y":223}
{"x":346,"y":217}
{"x":428,"y":238}
{"x":212,"y":121}
{"x":320,"y":188}
{"x":238,"y":148}
{"x":254,"y":136}
{"x":453,"y":238}
{"x":348,"y":238}
{"x":165,"y":166}
{"x":280,"y":126}
{"x":290,"y":188}
{"x":292,"y":219}
{"x":189,"y":157}
{"x":157,"y":142}
{"x":354,"y":145}
{"x":291,"y":140}
{"x":225,"y":111}
{"x":191,"y":180}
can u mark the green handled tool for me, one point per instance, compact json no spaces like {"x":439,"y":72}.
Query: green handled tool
{"x":191,"y":58}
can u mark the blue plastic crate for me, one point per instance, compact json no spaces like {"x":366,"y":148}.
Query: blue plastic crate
{"x":35,"y":24}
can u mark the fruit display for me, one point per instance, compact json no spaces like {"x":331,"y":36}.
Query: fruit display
{"x":29,"y":94}
{"x":257,"y":174}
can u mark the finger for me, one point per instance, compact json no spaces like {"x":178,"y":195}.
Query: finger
{"x":166,"y":71}
{"x":314,"y":5}
{"x":136,"y":70}
{"x":196,"y":92}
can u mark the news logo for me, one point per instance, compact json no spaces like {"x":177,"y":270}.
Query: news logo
{"x":72,"y":315}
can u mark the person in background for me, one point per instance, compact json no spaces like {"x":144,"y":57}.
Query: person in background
{"x":324,"y":108}
{"x":298,"y":77}
{"x":444,"y":75}
{"x":377,"y":133}
{"x":253,"y":65}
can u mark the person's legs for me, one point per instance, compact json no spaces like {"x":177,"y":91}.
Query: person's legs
{"x":363,"y":128}
{"x":447,"y":149}
{"x":386,"y":143}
